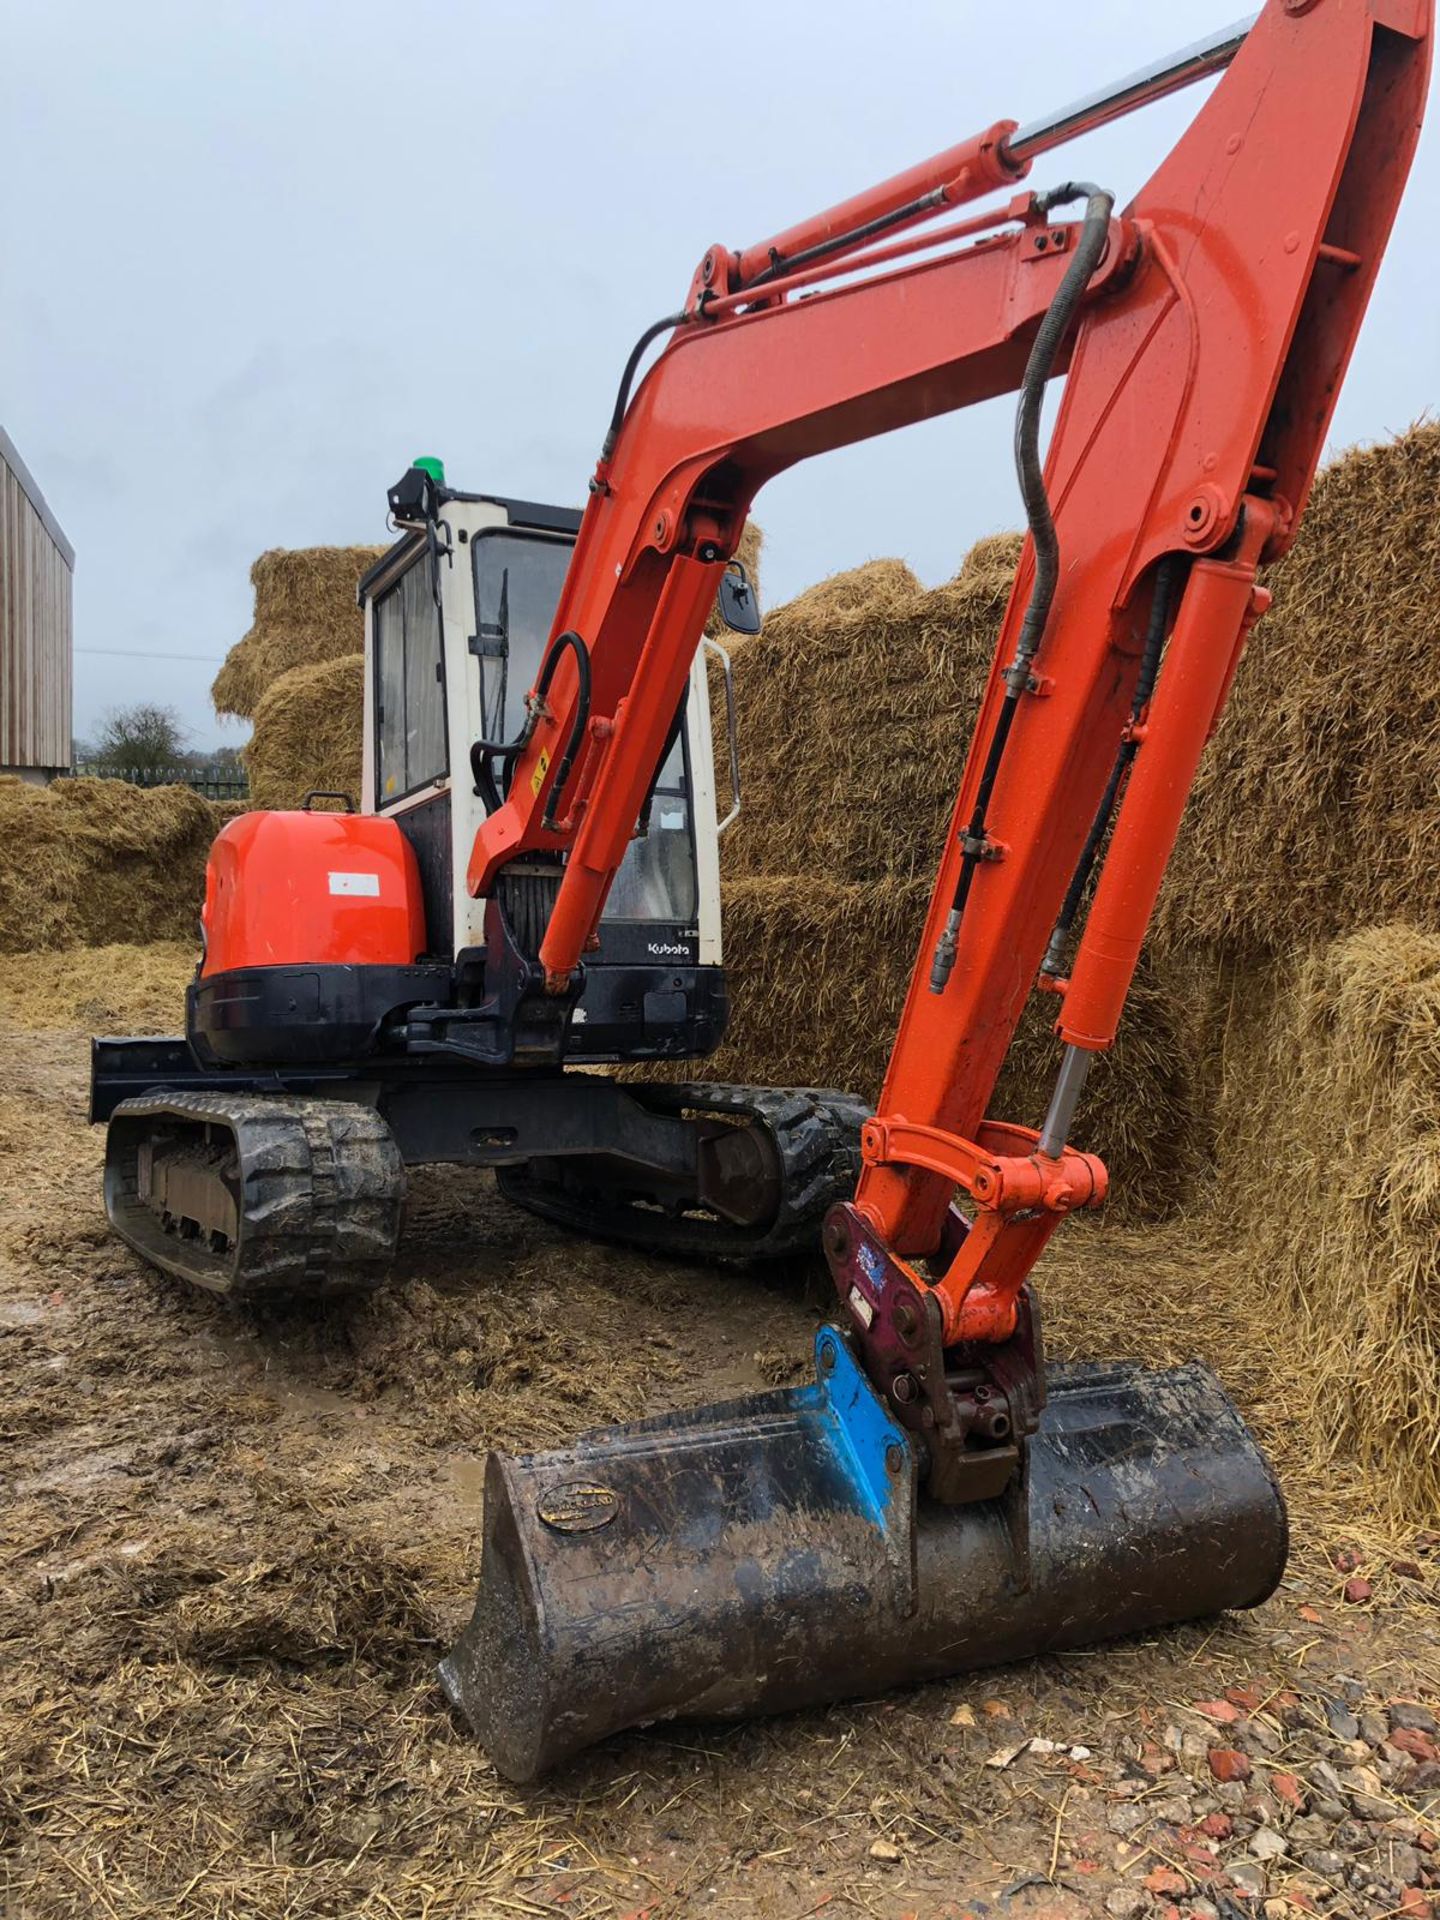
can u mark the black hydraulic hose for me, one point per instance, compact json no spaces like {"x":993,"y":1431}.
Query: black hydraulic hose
{"x":627,"y":378}
{"x":1094,"y":231}
{"x":1160,"y":606}
{"x":581,"y":721}
{"x":482,"y":773}
{"x":483,"y":753}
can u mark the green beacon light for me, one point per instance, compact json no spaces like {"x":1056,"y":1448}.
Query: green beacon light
{"x":431,"y":464}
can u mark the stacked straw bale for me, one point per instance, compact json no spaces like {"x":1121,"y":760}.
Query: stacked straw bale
{"x":305,"y":612}
{"x":90,"y":862}
{"x":1316,"y":805}
{"x":309,"y":733}
{"x":857,"y":702}
{"x":818,"y":972}
{"x":1330,"y":1157}
{"x":1300,"y":930}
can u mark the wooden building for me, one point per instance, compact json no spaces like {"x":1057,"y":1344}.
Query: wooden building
{"x":36,"y":666}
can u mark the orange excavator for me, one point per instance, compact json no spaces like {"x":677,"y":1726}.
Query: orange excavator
{"x":937,"y":1498}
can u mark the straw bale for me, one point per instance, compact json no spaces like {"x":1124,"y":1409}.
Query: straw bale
{"x":305,"y":612}
{"x":856,"y":588}
{"x":1332,"y":1161}
{"x":1314,"y":1250}
{"x":113,"y":989}
{"x":308,"y":733}
{"x":828,"y":872}
{"x":857,"y":702}
{"x":817,"y":972}
{"x":84,"y":863}
{"x":1314,"y":811}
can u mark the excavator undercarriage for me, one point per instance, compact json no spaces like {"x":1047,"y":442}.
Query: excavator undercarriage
{"x":301,"y":1196}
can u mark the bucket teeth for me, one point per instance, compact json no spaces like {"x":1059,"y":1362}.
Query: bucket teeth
{"x":771,"y":1554}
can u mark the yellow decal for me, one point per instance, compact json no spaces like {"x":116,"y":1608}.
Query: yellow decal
{"x":542,"y":767}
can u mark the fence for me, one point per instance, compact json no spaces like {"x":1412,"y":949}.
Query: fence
{"x":223,"y":782}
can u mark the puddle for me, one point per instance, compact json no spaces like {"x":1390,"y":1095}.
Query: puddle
{"x":467,"y":1470}
{"x":296,"y":1397}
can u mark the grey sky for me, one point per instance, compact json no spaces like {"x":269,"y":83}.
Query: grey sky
{"x":257,"y":255}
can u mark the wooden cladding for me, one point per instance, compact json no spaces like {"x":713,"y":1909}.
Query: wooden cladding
{"x":36,"y":684}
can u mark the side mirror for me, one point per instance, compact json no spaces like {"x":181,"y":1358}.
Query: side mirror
{"x":739,"y":608}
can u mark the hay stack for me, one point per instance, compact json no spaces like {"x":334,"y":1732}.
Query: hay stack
{"x":856,"y":707}
{"x":309,"y":732}
{"x":1330,"y":1160}
{"x":113,"y":989}
{"x":305,"y":612}
{"x":1316,"y":804}
{"x":818,"y":973}
{"x":89,"y":862}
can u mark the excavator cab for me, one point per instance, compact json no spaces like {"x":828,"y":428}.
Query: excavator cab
{"x":458,"y":615}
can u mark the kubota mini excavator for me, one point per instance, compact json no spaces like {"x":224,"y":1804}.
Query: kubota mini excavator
{"x":342,"y":1023}
{"x":934,"y":1499}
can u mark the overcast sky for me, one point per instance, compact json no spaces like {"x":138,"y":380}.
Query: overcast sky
{"x":254,"y":256}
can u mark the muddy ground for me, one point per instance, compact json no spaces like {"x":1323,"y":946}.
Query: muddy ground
{"x":235,"y":1542}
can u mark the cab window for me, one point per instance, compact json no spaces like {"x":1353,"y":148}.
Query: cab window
{"x":410,"y":732}
{"x":519,"y":576}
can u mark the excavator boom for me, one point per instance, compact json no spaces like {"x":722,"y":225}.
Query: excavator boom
{"x":1205,"y":329}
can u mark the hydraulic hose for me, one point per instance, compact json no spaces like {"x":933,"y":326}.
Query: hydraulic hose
{"x":582,"y":710}
{"x":484,"y":753}
{"x":627,"y":378}
{"x":1094,"y":230}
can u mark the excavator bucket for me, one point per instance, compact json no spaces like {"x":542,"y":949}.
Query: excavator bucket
{"x":775,"y":1552}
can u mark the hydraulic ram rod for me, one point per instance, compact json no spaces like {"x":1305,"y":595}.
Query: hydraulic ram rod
{"x":988,"y":161}
{"x":1198,"y":61}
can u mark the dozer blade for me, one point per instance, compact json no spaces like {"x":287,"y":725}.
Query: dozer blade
{"x":771,"y":1553}
{"x":285,"y":1198}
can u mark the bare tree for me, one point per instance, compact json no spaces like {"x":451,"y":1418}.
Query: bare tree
{"x":142,"y":739}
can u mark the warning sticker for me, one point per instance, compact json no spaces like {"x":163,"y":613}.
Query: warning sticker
{"x":542,"y":767}
{"x":365,"y":884}
{"x":861,"y":1307}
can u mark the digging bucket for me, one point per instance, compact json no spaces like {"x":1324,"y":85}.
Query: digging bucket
{"x":772,"y":1553}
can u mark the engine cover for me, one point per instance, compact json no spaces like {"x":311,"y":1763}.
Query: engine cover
{"x":311,"y":889}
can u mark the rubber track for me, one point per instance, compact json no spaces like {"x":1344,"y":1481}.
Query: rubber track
{"x":322,"y":1190}
{"x":815,"y":1130}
